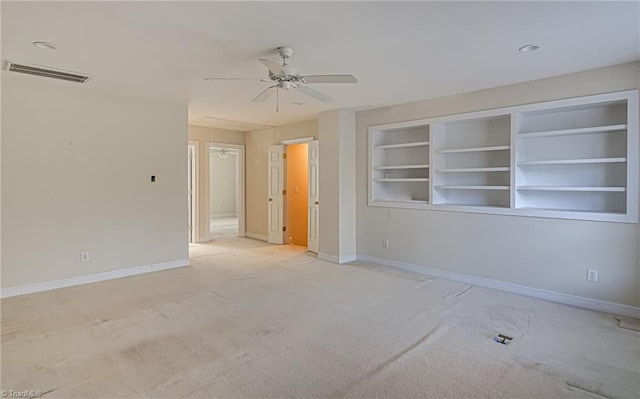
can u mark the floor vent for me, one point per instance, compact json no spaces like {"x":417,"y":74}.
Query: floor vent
{"x":503,"y":339}
{"x":46,"y":72}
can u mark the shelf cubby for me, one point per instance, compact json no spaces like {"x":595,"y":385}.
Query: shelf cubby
{"x":573,"y":158}
{"x":471,"y":160}
{"x":399,"y":165}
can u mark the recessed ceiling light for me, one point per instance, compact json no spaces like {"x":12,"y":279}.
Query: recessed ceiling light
{"x":529,"y":48}
{"x":45,"y":45}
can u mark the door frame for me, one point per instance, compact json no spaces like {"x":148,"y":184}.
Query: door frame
{"x":240,"y":184}
{"x":193,"y":148}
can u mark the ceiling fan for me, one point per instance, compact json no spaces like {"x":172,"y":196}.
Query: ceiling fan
{"x":287,"y":77}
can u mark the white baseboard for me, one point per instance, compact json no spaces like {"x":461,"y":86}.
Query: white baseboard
{"x":337,"y":259}
{"x":593,"y":304}
{"x":90,"y":278}
{"x":257,"y":236}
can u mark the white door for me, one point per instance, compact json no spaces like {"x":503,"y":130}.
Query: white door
{"x":314,"y":198}
{"x":275,"y":201}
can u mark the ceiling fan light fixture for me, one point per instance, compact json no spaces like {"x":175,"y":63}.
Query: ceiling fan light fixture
{"x":44,"y":45}
{"x":285,"y":85}
{"x":528,"y":48}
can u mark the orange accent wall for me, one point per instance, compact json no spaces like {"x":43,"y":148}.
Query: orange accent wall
{"x":297,"y":193}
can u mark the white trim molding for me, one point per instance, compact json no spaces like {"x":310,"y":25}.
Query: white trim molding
{"x":587,"y":303}
{"x":195,"y":194}
{"x":298,"y":141}
{"x":337,"y":259}
{"x":90,"y":278}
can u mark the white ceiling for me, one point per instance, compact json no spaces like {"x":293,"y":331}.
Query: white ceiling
{"x":400,"y":51}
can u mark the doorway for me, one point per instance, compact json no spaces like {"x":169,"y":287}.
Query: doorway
{"x":290,"y":179}
{"x":296,"y":198}
{"x":225,"y":194}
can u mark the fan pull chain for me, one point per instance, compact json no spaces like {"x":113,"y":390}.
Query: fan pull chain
{"x":277,"y":99}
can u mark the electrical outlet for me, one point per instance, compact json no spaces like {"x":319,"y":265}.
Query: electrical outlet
{"x":592,"y":275}
{"x":385,"y":243}
{"x":84,"y":257}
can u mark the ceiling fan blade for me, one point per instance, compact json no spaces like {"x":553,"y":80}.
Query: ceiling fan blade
{"x":251,"y":79}
{"x":274,"y":67}
{"x":330,"y":79}
{"x":266,"y":93}
{"x":230,"y":79}
{"x":315,"y":94}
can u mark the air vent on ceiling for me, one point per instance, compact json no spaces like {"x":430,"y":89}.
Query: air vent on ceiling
{"x":45,"y":72}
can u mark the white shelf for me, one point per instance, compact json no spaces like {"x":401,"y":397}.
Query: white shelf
{"x":443,"y":187}
{"x":462,"y":170}
{"x":402,"y":179}
{"x":572,"y":188}
{"x":568,"y":132}
{"x":474,"y":149}
{"x":389,"y":167}
{"x":413,"y":202}
{"x":576,"y":161}
{"x":403,"y":145}
{"x":408,"y":203}
{"x":572,"y":210}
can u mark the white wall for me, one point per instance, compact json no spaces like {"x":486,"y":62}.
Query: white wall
{"x":337,"y":240}
{"x":549,"y":254}
{"x":223,"y":174}
{"x":76,"y":167}
{"x":257,"y":145}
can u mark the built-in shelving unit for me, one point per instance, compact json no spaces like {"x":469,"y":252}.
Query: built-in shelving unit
{"x":575,"y":158}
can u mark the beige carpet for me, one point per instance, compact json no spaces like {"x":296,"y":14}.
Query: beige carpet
{"x":252,"y":320}
{"x":227,"y":226}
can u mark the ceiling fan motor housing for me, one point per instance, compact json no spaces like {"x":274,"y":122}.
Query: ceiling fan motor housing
{"x":285,"y":51}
